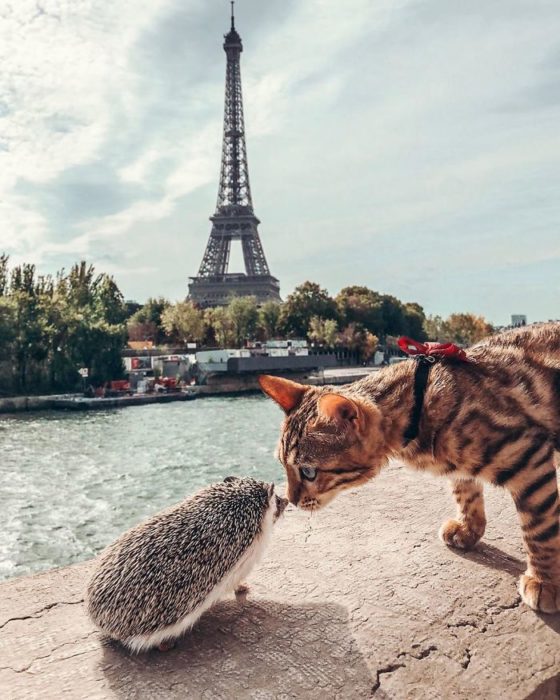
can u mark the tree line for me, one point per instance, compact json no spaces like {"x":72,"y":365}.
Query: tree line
{"x":356,"y":319}
{"x":53,"y":325}
{"x":50,"y":326}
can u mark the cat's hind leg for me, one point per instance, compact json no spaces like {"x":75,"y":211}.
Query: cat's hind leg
{"x":467,"y":528}
{"x":538,"y":507}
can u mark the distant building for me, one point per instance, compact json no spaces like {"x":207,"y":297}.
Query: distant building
{"x":518,"y":320}
{"x":234,"y":218}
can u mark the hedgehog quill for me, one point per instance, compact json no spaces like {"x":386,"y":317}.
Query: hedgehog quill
{"x":156,"y":580}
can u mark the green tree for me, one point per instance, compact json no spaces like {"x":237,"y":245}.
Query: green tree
{"x":323,"y":331}
{"x":51,"y":326}
{"x":414,"y":318}
{"x":145,"y":324}
{"x":369,"y":345}
{"x":463,"y":329}
{"x":142,"y":331}
{"x":92,"y":326}
{"x":4,"y":274}
{"x":269,"y":319}
{"x":380,"y":314}
{"x":56,"y":317}
{"x":361,"y":305}
{"x":436,"y":329}
{"x":184,"y":322}
{"x":220,"y":326}
{"x":29,"y":341}
{"x":305,"y":302}
{"x":467,"y":328}
{"x":244,"y":316}
{"x":394,"y":320}
{"x":131,"y":307}
{"x":358,"y":339}
{"x":108,"y":301}
{"x":7,"y":323}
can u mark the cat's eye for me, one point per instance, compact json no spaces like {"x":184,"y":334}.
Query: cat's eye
{"x":308,"y":473}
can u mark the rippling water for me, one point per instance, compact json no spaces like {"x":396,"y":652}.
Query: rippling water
{"x":72,"y":482}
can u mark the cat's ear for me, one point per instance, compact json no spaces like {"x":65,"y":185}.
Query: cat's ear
{"x":338,"y":409}
{"x":287,"y":394}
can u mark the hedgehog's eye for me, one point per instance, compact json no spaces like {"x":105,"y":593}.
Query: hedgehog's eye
{"x":308,"y":473}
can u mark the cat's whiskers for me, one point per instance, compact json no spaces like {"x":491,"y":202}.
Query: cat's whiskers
{"x":309,"y":529}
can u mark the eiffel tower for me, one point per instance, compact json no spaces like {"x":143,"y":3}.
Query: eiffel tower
{"x":234,"y":218}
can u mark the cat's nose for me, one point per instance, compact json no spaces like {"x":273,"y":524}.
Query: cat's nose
{"x":294,"y":493}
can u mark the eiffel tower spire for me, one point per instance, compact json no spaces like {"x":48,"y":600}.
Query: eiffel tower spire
{"x":234,"y":218}
{"x":234,"y":174}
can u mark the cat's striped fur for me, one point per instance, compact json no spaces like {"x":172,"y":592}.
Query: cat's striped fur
{"x":495,"y":419}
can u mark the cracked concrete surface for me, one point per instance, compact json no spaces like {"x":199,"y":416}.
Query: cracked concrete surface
{"x":360,"y":600}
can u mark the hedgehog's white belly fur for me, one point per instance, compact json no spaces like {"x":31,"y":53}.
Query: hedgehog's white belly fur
{"x":142,"y":642}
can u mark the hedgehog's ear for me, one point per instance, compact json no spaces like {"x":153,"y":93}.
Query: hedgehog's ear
{"x":287,"y":394}
{"x":229,"y":479}
{"x":270,"y":490}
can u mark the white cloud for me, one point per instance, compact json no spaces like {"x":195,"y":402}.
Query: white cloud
{"x":62,"y":90}
{"x":396,"y":132}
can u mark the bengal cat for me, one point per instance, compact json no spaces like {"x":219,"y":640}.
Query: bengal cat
{"x":493,"y":419}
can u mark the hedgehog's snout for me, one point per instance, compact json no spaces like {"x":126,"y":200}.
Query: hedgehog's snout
{"x":281,"y":504}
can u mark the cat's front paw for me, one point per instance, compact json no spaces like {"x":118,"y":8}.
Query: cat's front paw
{"x":455,"y":533}
{"x":539,"y":595}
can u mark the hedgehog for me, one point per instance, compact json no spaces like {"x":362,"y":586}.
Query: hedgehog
{"x":152,"y":584}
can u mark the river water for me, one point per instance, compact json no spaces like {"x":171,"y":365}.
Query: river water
{"x":70,"y":483}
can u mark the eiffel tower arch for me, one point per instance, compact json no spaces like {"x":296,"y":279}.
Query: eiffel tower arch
{"x":234,"y":218}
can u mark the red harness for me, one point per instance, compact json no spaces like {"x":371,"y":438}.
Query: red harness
{"x":433,"y":350}
{"x":425,"y":355}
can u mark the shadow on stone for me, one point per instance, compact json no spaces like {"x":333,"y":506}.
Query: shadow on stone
{"x":494,"y":558}
{"x":240,"y":648}
{"x":552,"y":621}
{"x":491,"y":556}
{"x":549,"y":690}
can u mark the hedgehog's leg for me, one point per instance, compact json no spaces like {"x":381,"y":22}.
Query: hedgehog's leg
{"x":241,"y":589}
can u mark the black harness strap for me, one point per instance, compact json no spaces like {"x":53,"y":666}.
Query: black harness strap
{"x":421,"y":374}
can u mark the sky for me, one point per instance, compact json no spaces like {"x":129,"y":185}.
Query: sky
{"x":412,"y":146}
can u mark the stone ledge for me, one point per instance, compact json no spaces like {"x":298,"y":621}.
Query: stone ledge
{"x":360,"y":600}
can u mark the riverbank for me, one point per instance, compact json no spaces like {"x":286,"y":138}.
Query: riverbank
{"x":78,"y":402}
{"x":218,"y":385}
{"x":360,"y":600}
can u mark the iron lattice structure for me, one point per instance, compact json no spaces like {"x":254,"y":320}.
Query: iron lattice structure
{"x":234,"y":218}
